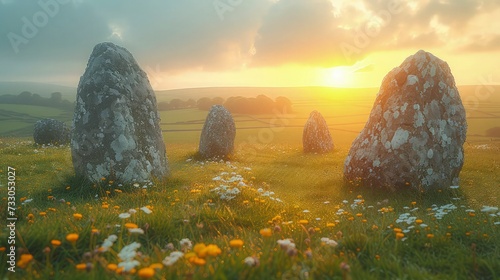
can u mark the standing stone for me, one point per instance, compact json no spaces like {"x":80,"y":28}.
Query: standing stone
{"x":217,"y":135}
{"x":116,"y":125}
{"x":416,"y":130}
{"x":316,"y":137}
{"x":50,"y":131}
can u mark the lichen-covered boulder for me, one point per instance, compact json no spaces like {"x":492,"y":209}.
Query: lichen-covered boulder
{"x":116,"y":125}
{"x":416,"y":130}
{"x":316,"y":137}
{"x":51,"y":132}
{"x":217,"y":135}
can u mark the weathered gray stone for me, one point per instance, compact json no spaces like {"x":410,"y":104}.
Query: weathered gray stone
{"x":50,"y":131}
{"x":416,"y":130}
{"x":316,"y":137}
{"x":116,"y":125}
{"x":218,"y":133}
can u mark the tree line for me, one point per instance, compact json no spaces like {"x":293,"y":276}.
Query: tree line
{"x":235,"y":104}
{"x":261,"y":104}
{"x":27,"y":98}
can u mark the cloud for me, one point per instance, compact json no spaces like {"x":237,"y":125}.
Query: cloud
{"x":300,"y":31}
{"x":174,"y":37}
{"x":483,"y":44}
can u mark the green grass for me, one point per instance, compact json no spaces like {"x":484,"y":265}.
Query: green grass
{"x":18,"y":120}
{"x":464,"y":246}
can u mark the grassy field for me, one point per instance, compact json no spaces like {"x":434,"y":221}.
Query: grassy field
{"x":270,"y":212}
{"x":298,"y":197}
{"x":19,"y":120}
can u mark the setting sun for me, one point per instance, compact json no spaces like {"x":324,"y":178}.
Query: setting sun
{"x":341,"y":76}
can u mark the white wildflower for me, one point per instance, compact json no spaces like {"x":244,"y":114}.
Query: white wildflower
{"x":146,"y":210}
{"x":251,"y":261}
{"x":329,"y":242}
{"x":173,"y":258}
{"x":127,"y":255}
{"x":186,"y":243}
{"x":489,"y":209}
{"x":108,"y":242}
{"x":124,"y":215}
{"x":136,"y":230}
{"x":128,"y":265}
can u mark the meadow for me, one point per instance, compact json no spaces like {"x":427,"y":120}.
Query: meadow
{"x":268,"y":212}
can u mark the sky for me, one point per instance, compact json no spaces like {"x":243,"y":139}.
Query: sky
{"x":207,"y":43}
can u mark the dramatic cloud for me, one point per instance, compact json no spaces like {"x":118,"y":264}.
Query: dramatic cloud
{"x":51,"y":39}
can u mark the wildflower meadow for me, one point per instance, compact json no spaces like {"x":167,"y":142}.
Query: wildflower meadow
{"x":279,"y":215}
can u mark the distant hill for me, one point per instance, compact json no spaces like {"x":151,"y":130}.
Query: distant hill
{"x":293,"y":93}
{"x":42,"y":89}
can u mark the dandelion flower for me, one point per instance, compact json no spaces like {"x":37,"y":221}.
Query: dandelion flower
{"x":112,"y":266}
{"x":81,"y":266}
{"x":131,"y":225}
{"x":213,"y":250}
{"x":197,"y":261}
{"x":24,"y":260}
{"x":303,"y":222}
{"x":72,"y":237}
{"x":55,"y":242}
{"x":400,"y":235}
{"x":158,"y":266}
{"x":236,"y":243}
{"x":266,"y":232}
{"x":43,"y":214}
{"x":77,"y":216}
{"x":146,"y":273}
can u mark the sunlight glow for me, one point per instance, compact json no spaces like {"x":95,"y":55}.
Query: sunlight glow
{"x":340,"y":76}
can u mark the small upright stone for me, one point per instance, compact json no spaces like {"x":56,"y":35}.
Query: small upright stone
{"x":50,"y":131}
{"x":116,"y":125}
{"x":415,"y":134}
{"x":217,"y":135}
{"x":316,"y":137}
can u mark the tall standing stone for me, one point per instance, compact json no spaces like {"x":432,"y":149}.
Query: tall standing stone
{"x":218,"y":133}
{"x":316,"y":137}
{"x":116,"y":125}
{"x":416,"y":130}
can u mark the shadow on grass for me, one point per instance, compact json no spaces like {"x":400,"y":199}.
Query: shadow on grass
{"x":78,"y":189}
{"x":426,"y":198}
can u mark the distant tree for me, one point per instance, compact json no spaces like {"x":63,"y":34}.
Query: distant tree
{"x":190,"y":103}
{"x":163,"y":106}
{"x":217,"y":101}
{"x":176,"y":104}
{"x":283,"y":104}
{"x":25,"y":94}
{"x":56,"y":97}
{"x":263,"y":104}
{"x":204,"y":103}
